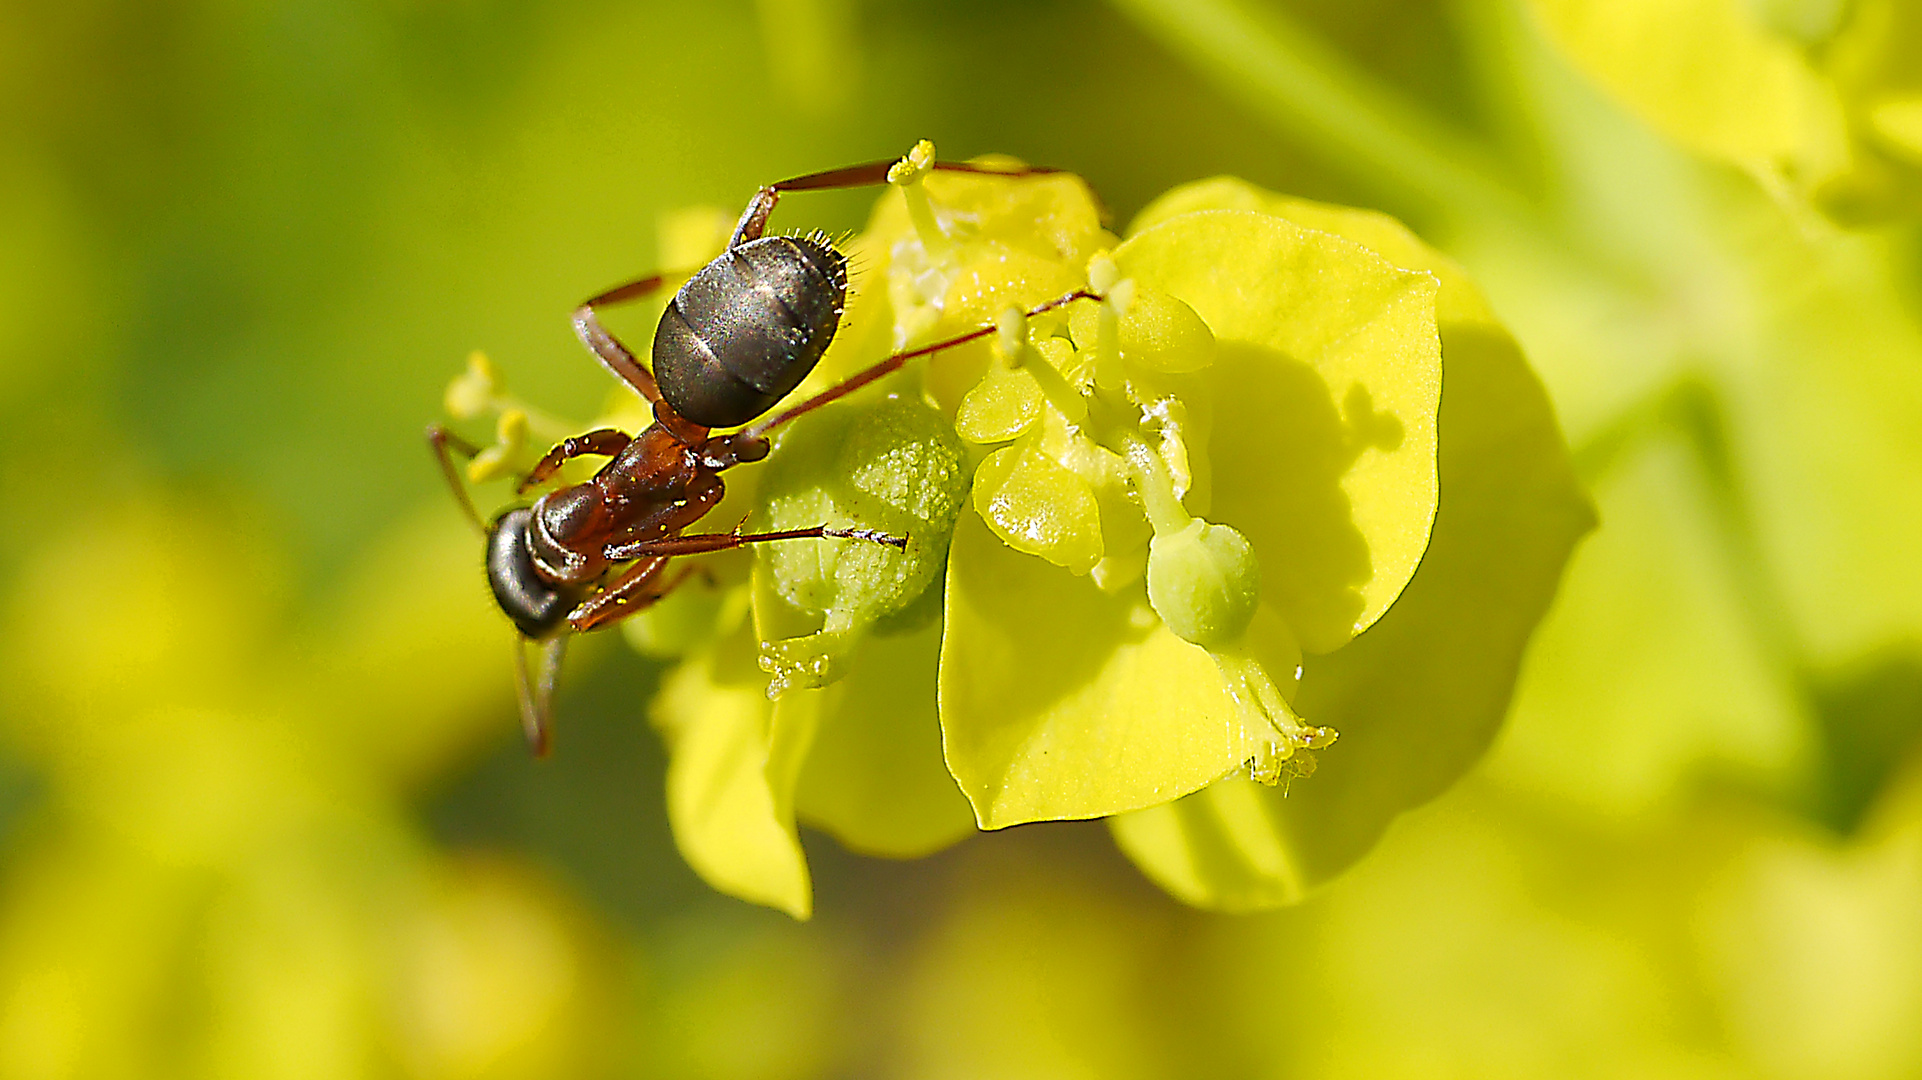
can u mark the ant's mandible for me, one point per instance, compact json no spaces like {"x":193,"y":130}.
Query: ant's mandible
{"x":738,"y":336}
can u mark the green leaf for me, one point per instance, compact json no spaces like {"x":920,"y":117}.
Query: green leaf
{"x":1760,"y":548}
{"x":1790,"y":919}
{"x":1420,"y":695}
{"x":1814,"y":93}
{"x":1872,"y":63}
{"x":1650,"y":671}
{"x":1897,"y":122}
{"x":1820,"y":425}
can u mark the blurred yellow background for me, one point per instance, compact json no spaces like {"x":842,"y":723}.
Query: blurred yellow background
{"x":264,"y":808}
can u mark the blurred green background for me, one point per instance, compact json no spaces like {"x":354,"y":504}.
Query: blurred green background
{"x":262,"y":797}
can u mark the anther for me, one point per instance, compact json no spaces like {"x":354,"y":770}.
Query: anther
{"x":918,"y":162}
{"x":480,"y":390}
{"x":906,"y":174}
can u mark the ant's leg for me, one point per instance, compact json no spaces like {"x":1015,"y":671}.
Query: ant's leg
{"x":702,"y":543}
{"x":703,"y":494}
{"x":536,"y":691}
{"x":603,"y":344}
{"x":872,"y":174}
{"x":604,"y":442}
{"x":636,"y":590}
{"x":893,"y":363}
{"x":754,"y":219}
{"x":440,"y":439}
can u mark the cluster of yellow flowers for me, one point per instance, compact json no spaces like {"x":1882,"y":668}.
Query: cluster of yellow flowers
{"x":1137,"y":526}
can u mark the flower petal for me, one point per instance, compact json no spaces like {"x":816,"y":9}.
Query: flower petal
{"x":1060,"y":701}
{"x":1224,"y":847}
{"x":730,"y":779}
{"x":1420,"y":695}
{"x":874,"y":778}
{"x":1326,"y":378}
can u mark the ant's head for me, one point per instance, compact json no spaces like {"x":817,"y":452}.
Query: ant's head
{"x":538,"y":608}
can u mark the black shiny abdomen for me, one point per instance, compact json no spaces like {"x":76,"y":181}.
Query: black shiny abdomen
{"x":748,"y":328}
{"x":539,"y":610}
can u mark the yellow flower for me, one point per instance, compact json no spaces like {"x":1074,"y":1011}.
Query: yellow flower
{"x":1188,"y":497}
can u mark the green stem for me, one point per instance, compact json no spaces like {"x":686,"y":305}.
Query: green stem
{"x":1690,"y":409}
{"x":1054,"y":386}
{"x":921,"y":214}
{"x":1159,"y":502}
{"x":1304,"y":87}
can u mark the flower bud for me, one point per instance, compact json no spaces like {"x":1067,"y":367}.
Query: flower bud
{"x":1204,"y":582}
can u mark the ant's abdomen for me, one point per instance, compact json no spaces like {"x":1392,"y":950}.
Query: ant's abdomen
{"x":748,"y":328}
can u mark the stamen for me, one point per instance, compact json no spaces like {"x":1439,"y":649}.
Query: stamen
{"x":479,"y":391}
{"x":1015,"y":346}
{"x":1104,"y":277}
{"x":1163,"y":507}
{"x":906,"y":174}
{"x":473,"y":390}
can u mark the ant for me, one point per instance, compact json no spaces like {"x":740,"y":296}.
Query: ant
{"x":737,"y":337}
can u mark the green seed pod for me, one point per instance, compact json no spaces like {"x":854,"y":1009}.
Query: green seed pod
{"x":891,"y":465}
{"x":1204,"y":582}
